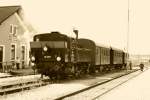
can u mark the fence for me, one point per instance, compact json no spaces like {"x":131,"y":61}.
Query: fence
{"x":7,"y":66}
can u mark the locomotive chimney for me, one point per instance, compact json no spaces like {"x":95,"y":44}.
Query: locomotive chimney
{"x":76,"y":33}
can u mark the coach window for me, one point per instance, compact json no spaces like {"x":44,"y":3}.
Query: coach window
{"x":104,"y":52}
{"x":65,"y":44}
{"x":97,"y":51}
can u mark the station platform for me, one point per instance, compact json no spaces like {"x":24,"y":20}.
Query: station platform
{"x":3,"y":75}
{"x":19,"y":72}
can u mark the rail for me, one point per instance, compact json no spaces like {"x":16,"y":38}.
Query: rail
{"x":69,"y":95}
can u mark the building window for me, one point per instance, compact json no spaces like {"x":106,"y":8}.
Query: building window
{"x":23,"y":56}
{"x":23,"y":52}
{"x":13,"y":29}
{"x":13,"y":52}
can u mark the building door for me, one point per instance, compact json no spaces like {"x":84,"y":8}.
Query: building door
{"x":1,"y":56}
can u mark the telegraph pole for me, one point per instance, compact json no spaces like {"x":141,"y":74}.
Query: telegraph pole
{"x":128,"y":29}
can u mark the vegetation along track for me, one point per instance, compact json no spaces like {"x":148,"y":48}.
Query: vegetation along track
{"x":93,"y":86}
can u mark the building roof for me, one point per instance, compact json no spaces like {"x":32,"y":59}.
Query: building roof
{"x":6,"y":11}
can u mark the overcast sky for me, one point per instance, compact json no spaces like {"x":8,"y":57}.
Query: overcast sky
{"x":104,"y":21}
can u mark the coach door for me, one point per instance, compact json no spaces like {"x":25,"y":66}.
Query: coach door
{"x":1,"y":56}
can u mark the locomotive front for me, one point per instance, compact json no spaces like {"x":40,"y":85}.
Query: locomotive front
{"x":49,"y":53}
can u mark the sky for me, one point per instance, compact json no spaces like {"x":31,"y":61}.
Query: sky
{"x":104,"y":21}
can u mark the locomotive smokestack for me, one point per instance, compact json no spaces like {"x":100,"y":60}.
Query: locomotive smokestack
{"x":76,"y":33}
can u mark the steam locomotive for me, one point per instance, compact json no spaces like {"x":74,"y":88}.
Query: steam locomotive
{"x":58,"y":55}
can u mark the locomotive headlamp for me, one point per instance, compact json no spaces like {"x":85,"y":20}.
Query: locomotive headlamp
{"x":32,"y":58}
{"x":58,"y":58}
{"x":32,"y":64}
{"x":37,"y":39}
{"x":45,"y":48}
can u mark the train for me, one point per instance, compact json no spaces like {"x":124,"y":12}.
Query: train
{"x":57,"y":56}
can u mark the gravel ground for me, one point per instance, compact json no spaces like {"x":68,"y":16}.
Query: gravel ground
{"x":135,"y":89}
{"x":102,"y":89}
{"x":48,"y":92}
{"x":53,"y":91}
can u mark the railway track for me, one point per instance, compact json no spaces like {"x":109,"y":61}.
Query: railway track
{"x":98,"y":96}
{"x":26,"y":84}
{"x":14,"y":76}
{"x":20,"y":86}
{"x":7,"y":76}
{"x":88,"y":92}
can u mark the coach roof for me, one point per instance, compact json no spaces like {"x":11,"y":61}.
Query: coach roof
{"x":116,"y":49}
{"x":103,"y":45}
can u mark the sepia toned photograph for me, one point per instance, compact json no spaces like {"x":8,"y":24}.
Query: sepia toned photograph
{"x":74,"y":50}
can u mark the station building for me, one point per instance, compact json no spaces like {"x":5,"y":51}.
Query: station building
{"x":14,"y":37}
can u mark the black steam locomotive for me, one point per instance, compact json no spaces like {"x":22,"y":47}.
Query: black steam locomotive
{"x":57,"y":55}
